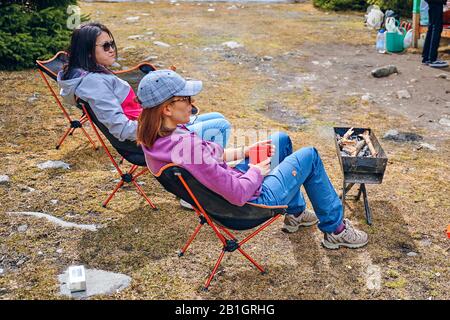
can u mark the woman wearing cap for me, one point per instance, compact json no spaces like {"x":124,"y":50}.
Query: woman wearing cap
{"x":166,"y":99}
{"x":86,"y":76}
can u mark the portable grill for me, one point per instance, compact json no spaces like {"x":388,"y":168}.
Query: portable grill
{"x":360,"y":170}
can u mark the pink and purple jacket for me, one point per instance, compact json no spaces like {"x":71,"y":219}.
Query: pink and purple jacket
{"x":204,"y":160}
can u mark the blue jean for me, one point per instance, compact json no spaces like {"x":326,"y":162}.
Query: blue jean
{"x":435,"y":25}
{"x":211,"y":126}
{"x":292,"y":170}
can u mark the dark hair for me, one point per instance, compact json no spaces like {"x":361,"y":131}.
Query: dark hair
{"x":82,"y":49}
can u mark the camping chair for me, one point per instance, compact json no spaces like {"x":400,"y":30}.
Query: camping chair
{"x":51,"y":68}
{"x":218,"y":213}
{"x":129,"y":151}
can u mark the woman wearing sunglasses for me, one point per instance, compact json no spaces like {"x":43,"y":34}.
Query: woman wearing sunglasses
{"x":87,"y":76}
{"x":164,"y":95}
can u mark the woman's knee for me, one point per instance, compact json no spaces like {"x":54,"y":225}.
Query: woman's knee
{"x":280,"y":137}
{"x":309,"y":154}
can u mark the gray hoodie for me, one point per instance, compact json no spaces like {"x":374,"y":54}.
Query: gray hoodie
{"x":108,"y":97}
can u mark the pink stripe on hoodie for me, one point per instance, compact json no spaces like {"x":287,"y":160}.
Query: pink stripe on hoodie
{"x":131,"y":108}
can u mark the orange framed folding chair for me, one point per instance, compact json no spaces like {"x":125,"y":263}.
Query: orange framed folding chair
{"x":50,"y":68}
{"x":213,"y":210}
{"x":127,"y":149}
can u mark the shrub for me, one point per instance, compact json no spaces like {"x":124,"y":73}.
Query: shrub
{"x":403,"y":7}
{"x":31,"y":30}
{"x":341,"y":4}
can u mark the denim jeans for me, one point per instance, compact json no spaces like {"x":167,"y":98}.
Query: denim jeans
{"x":292,"y":170}
{"x":431,"y":45}
{"x":211,"y":127}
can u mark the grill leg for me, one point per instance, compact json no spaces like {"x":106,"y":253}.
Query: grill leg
{"x":366,"y":205}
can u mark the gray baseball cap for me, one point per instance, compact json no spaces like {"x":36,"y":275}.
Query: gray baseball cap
{"x":161,"y":85}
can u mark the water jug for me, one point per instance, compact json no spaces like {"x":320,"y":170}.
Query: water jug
{"x":381,"y":41}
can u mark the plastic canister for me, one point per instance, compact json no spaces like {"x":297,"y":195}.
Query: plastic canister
{"x":381,"y":41}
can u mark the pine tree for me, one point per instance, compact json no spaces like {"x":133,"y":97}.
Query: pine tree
{"x":31,"y":30}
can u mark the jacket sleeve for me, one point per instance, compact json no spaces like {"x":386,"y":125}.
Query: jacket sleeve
{"x":99,"y":93}
{"x":204,"y":166}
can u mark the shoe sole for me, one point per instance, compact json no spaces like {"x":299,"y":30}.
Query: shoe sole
{"x":335,"y":246}
{"x":438,"y":66}
{"x":291,"y":229}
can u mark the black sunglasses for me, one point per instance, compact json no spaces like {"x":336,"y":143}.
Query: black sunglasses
{"x":107,"y":45}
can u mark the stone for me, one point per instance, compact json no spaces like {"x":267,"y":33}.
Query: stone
{"x":413,"y":80}
{"x":54,"y":202}
{"x":384,"y":71}
{"x":367,"y":97}
{"x":33,"y":98}
{"x":129,"y":48}
{"x":132,"y":19}
{"x":4,"y":179}
{"x":161,"y":44}
{"x":442,"y":76}
{"x":22,"y":228}
{"x":444,"y":122}
{"x":150,"y":33}
{"x":53,"y":165}
{"x":267,"y":58}
{"x":40,"y":253}
{"x":428,"y":146}
{"x":136,"y":37}
{"x":211,"y":10}
{"x":25,"y":188}
{"x":2,"y":271}
{"x":20,"y":262}
{"x":411,"y":254}
{"x":232,"y":44}
{"x":401,"y":136}
{"x":151,"y":58}
{"x":233,"y":7}
{"x":59,"y":251}
{"x":403,"y":94}
{"x":57,"y":221}
{"x":98,"y":282}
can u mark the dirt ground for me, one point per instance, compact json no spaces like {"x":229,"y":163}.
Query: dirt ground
{"x":299,"y":70}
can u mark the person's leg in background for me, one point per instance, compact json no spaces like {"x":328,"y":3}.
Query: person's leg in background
{"x":427,"y":43}
{"x":436,"y":25}
{"x":305,"y":167}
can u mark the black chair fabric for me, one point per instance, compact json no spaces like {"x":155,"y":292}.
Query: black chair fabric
{"x":53,"y":66}
{"x":220,"y":210}
{"x":127,"y":149}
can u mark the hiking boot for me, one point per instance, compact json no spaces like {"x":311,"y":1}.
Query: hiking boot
{"x":349,"y":237}
{"x":186,"y":204}
{"x":305,"y":219}
{"x":438,"y":64}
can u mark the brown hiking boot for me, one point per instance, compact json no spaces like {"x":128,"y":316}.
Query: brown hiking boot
{"x":349,"y":237}
{"x":305,"y":219}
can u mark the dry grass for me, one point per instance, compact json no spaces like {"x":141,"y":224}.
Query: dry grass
{"x":411,"y":208}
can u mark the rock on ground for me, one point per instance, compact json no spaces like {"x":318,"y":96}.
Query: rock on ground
{"x":97,"y":282}
{"x":53,"y":165}
{"x":401,"y":136}
{"x":4,"y":179}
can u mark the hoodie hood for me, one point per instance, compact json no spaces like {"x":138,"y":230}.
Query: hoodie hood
{"x":69,"y":85}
